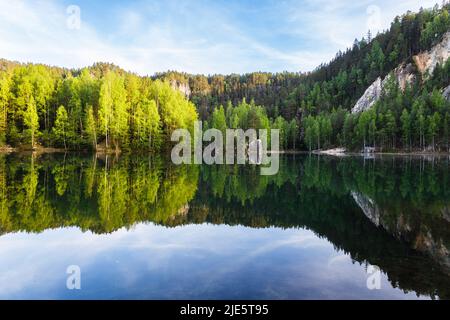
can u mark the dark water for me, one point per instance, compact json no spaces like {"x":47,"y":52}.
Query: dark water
{"x":139,"y":228}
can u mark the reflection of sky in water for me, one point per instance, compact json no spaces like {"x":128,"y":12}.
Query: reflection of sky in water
{"x":189,"y":262}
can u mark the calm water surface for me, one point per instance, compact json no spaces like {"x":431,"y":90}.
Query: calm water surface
{"x":139,"y":228}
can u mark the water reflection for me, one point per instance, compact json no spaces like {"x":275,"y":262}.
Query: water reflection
{"x":391,"y":212}
{"x":97,"y":194}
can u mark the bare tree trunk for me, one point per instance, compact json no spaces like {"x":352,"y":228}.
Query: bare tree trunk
{"x":95,"y":140}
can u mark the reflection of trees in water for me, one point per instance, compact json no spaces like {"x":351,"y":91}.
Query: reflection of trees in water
{"x":104,"y":194}
{"x":317,"y":195}
{"x":93,"y":194}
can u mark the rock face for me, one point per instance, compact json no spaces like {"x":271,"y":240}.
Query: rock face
{"x":182,"y":87}
{"x":446,"y":93}
{"x":426,"y":62}
{"x":404,"y":75}
{"x":369,"y":97}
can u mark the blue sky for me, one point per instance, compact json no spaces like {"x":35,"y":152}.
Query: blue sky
{"x":196,"y":36}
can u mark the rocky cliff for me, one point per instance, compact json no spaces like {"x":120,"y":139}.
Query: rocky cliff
{"x":426,"y":62}
{"x":369,"y":97}
{"x":446,"y":93}
{"x":424,"y":65}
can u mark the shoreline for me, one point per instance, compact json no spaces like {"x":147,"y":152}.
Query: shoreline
{"x":330,"y":152}
{"x":400,"y":153}
{"x":352,"y":154}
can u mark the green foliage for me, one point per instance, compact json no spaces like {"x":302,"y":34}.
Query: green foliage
{"x":218,"y":120}
{"x":4,"y":105}
{"x":281,"y":124}
{"x":60,"y":129}
{"x":375,"y":60}
{"x":175,"y":111}
{"x":248,"y":116}
{"x":406,"y":128}
{"x":31,"y":120}
{"x":435,"y":28}
{"x":293,"y":133}
{"x":78,"y":109}
{"x":91,"y":194}
{"x":113,"y":120}
{"x":91,"y":126}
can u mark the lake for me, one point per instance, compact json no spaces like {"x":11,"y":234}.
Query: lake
{"x":134,"y":227}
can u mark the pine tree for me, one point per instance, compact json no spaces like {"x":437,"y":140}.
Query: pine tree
{"x":406,"y":128}
{"x":433,"y":127}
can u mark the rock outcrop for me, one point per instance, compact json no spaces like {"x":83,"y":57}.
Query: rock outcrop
{"x":404,"y":75}
{"x":425,"y":63}
{"x":369,"y":97}
{"x":446,"y":93}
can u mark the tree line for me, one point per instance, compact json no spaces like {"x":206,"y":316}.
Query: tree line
{"x":250,"y":116}
{"x":101,"y":106}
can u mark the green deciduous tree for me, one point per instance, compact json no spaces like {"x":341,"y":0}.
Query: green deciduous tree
{"x":4,"y":105}
{"x":60,"y":129}
{"x":218,"y":120}
{"x":91,"y":126}
{"x":31,"y":120}
{"x":113,"y":110}
{"x":293,"y":133}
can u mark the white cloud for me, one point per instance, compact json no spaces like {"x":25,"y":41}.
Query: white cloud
{"x":37,"y":32}
{"x":334,"y":25}
{"x":192,"y":37}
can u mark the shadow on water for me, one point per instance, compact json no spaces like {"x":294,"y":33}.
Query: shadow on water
{"x":392,"y":212}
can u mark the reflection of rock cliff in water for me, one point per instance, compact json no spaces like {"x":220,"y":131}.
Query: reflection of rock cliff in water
{"x":368,"y":206}
{"x":420,"y":235}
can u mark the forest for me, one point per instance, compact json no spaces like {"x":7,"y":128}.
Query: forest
{"x":105,"y":107}
{"x":97,"y":107}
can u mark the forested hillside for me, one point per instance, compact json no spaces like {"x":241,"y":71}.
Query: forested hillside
{"x":319,"y":102}
{"x":105,"y":106}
